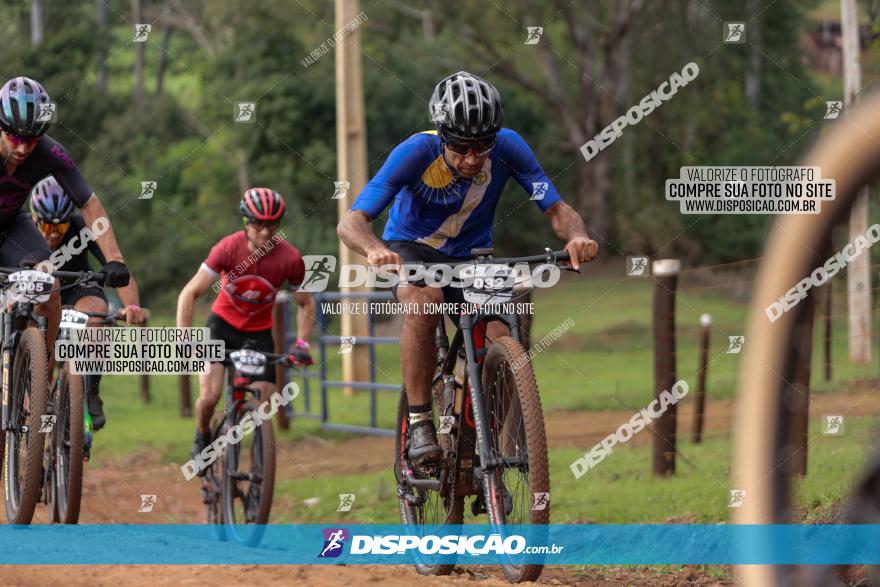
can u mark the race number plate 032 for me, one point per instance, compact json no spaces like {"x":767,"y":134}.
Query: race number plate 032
{"x":30,"y":286}
{"x":488,"y":284}
{"x":248,"y":362}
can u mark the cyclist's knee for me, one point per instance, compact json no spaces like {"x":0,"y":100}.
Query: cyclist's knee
{"x":410,"y":294}
{"x":91,"y":304}
{"x":209,"y":397}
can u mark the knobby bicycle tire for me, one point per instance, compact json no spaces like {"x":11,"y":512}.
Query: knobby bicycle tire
{"x":849,"y":153}
{"x":69,"y":476}
{"x":503,"y":354}
{"x":29,"y":366}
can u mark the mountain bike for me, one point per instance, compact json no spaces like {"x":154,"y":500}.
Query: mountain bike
{"x":238,"y":486}
{"x":70,"y":442}
{"x":488,"y":415}
{"x":25,"y":386}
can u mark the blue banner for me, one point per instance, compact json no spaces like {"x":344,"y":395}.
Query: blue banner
{"x":469,"y":544}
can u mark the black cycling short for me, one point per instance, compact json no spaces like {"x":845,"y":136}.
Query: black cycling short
{"x":413,"y":252}
{"x":234,"y":339}
{"x":69,"y":297}
{"x":21,"y":240}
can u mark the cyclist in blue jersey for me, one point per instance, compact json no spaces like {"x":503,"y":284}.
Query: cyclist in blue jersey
{"x":445,"y":186}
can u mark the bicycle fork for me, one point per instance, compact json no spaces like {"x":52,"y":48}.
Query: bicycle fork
{"x":7,"y":417}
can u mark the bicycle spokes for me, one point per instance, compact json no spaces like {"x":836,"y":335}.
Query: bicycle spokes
{"x":509,"y":440}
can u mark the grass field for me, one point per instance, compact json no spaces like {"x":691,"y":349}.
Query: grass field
{"x":604,"y":362}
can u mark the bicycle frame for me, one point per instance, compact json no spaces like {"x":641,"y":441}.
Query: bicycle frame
{"x":470,"y":334}
{"x":235,"y":394}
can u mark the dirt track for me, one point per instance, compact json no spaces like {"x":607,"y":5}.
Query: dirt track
{"x":111,"y":496}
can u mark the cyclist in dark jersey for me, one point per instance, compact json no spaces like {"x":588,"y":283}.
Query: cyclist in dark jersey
{"x":252,"y":265}
{"x":445,"y":186}
{"x":65,"y":232}
{"x":29,"y":155}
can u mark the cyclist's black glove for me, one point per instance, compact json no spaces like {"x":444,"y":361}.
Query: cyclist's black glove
{"x":116,"y":274}
{"x":301,"y":354}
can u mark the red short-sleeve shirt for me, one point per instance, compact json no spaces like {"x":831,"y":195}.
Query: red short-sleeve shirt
{"x":250,"y":279}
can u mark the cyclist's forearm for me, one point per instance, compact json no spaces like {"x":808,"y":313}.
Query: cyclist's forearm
{"x":305,"y":316}
{"x":91,"y":211}
{"x":185,"y":304}
{"x":567,"y":224}
{"x":354,"y":230}
{"x":129,"y":294}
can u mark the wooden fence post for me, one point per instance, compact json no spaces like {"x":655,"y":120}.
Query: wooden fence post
{"x":700,"y":405}
{"x":665,"y":280}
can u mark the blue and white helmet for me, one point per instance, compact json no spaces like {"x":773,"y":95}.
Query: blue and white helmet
{"x":50,"y":203}
{"x":20,"y":100}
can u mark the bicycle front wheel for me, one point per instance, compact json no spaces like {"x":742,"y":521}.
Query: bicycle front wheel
{"x":248,"y":478}
{"x":518,"y":491}
{"x":23,"y":465}
{"x":67,"y":445}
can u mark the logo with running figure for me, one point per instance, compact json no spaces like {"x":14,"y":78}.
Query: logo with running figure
{"x":147,"y":503}
{"x":734,"y":32}
{"x":737,"y":496}
{"x":46,"y":112}
{"x":47,"y":423}
{"x":245,"y":112}
{"x":735,"y":344}
{"x":340,"y":188}
{"x":148,"y":188}
{"x":334,"y":540}
{"x":637,"y":267}
{"x":539,"y":190}
{"x":319,"y":268}
{"x":440,"y":112}
{"x":346,"y":502}
{"x":141,"y":33}
{"x":535,"y":33}
{"x":542,"y":499}
{"x":832,"y":425}
{"x":832,"y":109}
{"x":346,"y":344}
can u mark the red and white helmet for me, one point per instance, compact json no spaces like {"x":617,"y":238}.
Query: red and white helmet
{"x":262,"y":204}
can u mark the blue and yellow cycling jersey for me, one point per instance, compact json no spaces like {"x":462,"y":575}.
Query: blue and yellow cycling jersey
{"x":435,"y":206}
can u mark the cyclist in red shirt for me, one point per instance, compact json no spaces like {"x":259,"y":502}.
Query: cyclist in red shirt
{"x":252,"y":265}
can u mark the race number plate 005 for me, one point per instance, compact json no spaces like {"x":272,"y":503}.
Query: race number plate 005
{"x":488,"y":284}
{"x":248,"y":362}
{"x":71,"y":319}
{"x":29,"y":286}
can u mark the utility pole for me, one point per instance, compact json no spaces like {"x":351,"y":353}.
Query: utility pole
{"x":351,"y":151}
{"x":859,"y":270}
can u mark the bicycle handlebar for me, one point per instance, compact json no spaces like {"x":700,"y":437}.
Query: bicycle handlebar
{"x":275,"y":359}
{"x":108,"y":318}
{"x":80,"y":276}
